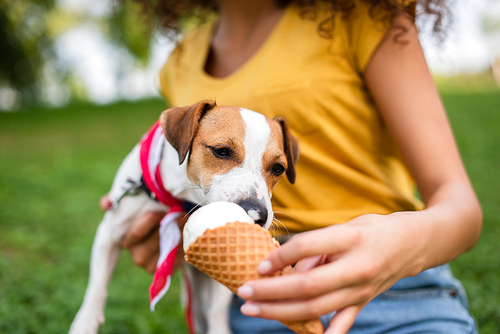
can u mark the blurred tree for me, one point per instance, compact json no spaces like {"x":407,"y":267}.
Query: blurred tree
{"x":24,"y":45}
{"x":491,"y":28}
{"x":29,"y":29}
{"x":129,"y":28}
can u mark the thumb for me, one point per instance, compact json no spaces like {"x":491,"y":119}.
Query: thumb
{"x":105,"y":202}
{"x":343,"y":320}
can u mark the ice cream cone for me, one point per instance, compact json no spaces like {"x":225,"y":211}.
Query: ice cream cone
{"x":230,"y":254}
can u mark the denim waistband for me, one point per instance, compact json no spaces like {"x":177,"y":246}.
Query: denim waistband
{"x":439,"y":279}
{"x":435,"y":277}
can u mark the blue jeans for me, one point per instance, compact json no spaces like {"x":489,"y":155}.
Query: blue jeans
{"x":430,"y":302}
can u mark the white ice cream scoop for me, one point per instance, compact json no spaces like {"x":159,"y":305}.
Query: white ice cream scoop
{"x":211,"y":216}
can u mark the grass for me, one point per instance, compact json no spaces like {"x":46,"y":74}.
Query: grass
{"x":476,"y":122}
{"x":55,"y":164}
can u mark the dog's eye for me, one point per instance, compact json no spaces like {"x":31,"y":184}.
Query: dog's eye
{"x":278,"y":169}
{"x":222,"y":152}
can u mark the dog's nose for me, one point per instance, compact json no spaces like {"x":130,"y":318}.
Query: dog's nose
{"x":256,"y":210}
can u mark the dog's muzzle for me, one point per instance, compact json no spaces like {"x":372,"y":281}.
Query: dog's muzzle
{"x":256,"y":210}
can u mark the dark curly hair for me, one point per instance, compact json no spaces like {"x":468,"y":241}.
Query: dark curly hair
{"x":174,"y":15}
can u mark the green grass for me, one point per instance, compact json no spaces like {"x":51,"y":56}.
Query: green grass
{"x":55,"y":164}
{"x":475,"y":119}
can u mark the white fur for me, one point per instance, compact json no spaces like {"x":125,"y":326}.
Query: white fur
{"x":211,"y":299}
{"x":175,"y":177}
{"x":247,"y":180}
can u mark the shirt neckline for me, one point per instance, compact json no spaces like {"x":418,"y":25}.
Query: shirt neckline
{"x":247,"y":65}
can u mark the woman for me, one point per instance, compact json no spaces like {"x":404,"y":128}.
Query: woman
{"x":351,"y":79}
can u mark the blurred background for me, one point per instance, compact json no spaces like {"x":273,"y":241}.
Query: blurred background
{"x":57,"y":51}
{"x":79,"y":86}
{"x":54,"y":52}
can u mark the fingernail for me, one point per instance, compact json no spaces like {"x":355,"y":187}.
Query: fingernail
{"x":250,"y":309}
{"x":264,"y":267}
{"x":245,"y":291}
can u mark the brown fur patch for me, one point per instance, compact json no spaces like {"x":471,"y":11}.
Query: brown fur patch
{"x":180,"y":125}
{"x":222,"y":127}
{"x":275,"y":153}
{"x":292,"y":150}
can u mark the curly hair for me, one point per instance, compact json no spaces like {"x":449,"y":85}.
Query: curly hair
{"x":173,"y":14}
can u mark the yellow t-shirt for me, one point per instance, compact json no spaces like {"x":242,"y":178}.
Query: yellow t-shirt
{"x":349,"y":164}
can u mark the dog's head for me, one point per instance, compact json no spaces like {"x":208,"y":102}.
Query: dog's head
{"x":234,"y":154}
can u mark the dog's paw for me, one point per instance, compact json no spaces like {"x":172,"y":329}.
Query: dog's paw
{"x":86,"y":323}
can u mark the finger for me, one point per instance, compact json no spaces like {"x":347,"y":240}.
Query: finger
{"x":308,"y":263}
{"x":342,"y":321}
{"x":307,"y":284}
{"x":146,"y":253}
{"x":303,"y":308}
{"x":151,"y":266}
{"x":179,"y":259}
{"x":182,"y":220}
{"x":105,"y":202}
{"x":142,"y":228}
{"x":329,"y":240}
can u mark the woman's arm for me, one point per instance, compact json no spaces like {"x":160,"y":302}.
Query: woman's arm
{"x":343,"y":267}
{"x":404,"y":91}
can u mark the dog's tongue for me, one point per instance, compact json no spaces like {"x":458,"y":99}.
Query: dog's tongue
{"x":211,"y":216}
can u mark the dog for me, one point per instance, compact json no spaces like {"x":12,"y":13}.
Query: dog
{"x":211,"y":153}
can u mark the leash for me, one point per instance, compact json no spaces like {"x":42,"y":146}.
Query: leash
{"x":131,"y":189}
{"x":134,"y":187}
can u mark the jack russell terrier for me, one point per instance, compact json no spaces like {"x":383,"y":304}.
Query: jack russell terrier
{"x":211,"y":153}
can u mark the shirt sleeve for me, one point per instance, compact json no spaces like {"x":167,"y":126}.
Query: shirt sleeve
{"x":365,"y":31}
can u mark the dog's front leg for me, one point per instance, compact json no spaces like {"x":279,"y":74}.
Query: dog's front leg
{"x":105,"y":252}
{"x":218,"y":311}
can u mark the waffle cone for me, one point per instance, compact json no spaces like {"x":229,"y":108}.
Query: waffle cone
{"x":230,"y":254}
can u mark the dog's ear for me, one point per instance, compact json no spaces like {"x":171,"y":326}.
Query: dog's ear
{"x":291,"y":149}
{"x":180,"y":125}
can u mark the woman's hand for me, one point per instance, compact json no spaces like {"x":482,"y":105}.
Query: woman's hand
{"x":142,"y":240}
{"x":339,"y":268}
